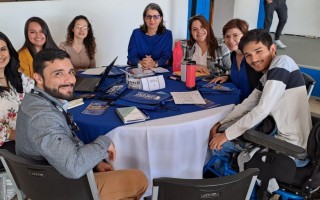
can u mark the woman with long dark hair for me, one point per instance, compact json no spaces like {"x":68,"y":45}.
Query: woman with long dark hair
{"x":37,"y":37}
{"x":13,"y":85}
{"x":204,"y":48}
{"x":80,"y":43}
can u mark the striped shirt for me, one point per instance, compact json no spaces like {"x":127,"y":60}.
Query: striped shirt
{"x":281,"y":93}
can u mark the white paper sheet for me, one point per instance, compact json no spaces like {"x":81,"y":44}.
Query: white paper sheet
{"x":193,"y":97}
{"x":159,"y":70}
{"x":152,"y":83}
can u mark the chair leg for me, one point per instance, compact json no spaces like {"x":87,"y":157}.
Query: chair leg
{"x":21,"y":196}
{"x":147,"y":198}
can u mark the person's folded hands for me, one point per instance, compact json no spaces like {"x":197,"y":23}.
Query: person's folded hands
{"x":148,"y":62}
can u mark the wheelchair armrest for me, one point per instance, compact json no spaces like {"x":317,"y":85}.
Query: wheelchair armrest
{"x":275,"y":144}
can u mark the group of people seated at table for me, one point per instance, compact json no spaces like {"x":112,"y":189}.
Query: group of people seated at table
{"x":42,"y":74}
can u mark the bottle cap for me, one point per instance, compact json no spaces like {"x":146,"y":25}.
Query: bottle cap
{"x":191,"y":62}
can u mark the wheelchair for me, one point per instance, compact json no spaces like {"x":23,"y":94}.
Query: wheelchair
{"x":229,"y":165}
{"x":295,"y":182}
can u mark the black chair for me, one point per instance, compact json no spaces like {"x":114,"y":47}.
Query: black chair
{"x":310,"y":82}
{"x":38,"y":180}
{"x":295,"y":182}
{"x":237,"y":186}
{"x":10,"y":146}
{"x":3,"y":175}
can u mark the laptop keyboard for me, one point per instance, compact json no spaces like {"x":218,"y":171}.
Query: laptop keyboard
{"x":86,"y":84}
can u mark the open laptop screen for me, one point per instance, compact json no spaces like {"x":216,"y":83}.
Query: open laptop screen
{"x":90,"y":84}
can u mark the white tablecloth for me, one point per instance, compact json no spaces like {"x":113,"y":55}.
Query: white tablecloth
{"x":168,"y":147}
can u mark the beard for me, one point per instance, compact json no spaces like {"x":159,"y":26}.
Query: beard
{"x":55,"y":93}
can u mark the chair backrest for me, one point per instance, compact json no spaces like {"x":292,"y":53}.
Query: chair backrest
{"x":313,"y":149}
{"x":38,"y":180}
{"x":310,"y":82}
{"x":238,"y":186}
{"x":313,"y":146}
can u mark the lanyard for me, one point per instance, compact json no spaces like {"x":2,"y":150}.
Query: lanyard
{"x":72,"y":125}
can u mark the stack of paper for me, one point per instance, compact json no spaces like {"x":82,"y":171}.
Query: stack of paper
{"x":75,"y":103}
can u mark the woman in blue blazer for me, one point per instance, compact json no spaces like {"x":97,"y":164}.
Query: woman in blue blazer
{"x":150,"y":45}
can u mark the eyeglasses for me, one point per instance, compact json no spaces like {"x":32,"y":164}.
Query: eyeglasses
{"x":155,"y":17}
{"x":85,"y":28}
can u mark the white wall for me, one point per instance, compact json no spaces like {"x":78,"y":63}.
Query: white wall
{"x":247,"y":10}
{"x":223,"y":12}
{"x":112,"y":21}
{"x":178,"y":10}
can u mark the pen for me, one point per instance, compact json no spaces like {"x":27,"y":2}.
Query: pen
{"x":174,"y":78}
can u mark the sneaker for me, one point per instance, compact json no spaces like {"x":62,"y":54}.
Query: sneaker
{"x":280,"y":44}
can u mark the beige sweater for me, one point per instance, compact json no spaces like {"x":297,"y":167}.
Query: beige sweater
{"x":79,"y":60}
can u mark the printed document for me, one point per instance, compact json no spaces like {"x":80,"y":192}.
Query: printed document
{"x":193,"y":97}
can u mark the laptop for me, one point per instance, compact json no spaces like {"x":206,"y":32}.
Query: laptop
{"x":90,"y":84}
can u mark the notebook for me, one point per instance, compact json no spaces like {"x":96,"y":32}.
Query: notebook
{"x":90,"y":84}
{"x":131,"y":114}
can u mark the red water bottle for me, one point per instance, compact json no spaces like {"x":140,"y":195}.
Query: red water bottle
{"x":191,"y":68}
{"x":177,"y":56}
